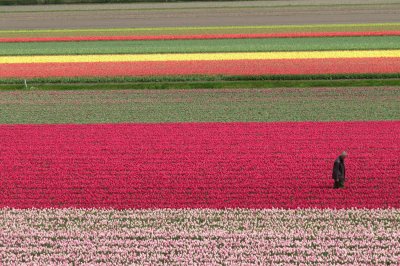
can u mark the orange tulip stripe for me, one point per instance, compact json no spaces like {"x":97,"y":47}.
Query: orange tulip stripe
{"x":214,"y":67}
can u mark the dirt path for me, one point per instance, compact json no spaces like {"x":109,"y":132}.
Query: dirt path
{"x":199,"y":14}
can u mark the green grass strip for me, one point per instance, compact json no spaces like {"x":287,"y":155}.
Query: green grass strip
{"x":201,"y":78}
{"x":201,"y":105}
{"x":200,"y":30}
{"x":201,"y":84}
{"x":200,"y":46}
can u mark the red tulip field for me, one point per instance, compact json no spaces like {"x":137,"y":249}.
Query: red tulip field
{"x":200,"y":133}
{"x":199,"y":165}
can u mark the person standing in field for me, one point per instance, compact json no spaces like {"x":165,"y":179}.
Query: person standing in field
{"x":339,"y":171}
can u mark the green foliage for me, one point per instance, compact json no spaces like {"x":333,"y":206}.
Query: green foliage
{"x":201,"y":46}
{"x":374,"y":78}
{"x":199,"y":105}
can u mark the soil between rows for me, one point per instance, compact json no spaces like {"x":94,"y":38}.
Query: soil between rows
{"x":201,"y":17}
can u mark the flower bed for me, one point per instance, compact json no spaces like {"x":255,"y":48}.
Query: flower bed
{"x":233,"y":236}
{"x":226,"y":67}
{"x":199,"y":165}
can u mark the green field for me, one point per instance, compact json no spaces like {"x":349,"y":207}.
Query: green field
{"x":222,"y":105}
{"x":200,"y":46}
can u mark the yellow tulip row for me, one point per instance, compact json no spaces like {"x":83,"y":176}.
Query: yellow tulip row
{"x":198,"y":56}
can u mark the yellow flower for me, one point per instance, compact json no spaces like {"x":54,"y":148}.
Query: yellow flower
{"x":198,"y":56}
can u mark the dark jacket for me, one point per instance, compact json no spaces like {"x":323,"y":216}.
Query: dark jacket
{"x":339,"y":170}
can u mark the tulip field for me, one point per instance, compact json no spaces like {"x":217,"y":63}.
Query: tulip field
{"x":94,"y":171}
{"x":208,"y":236}
{"x":199,"y":165}
{"x":306,"y":50}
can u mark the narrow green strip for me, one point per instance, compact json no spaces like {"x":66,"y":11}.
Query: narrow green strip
{"x":33,"y":86}
{"x":200,"y":46}
{"x":201,"y":78}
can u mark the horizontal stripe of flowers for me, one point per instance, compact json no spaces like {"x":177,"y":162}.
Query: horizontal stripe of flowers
{"x":198,"y":56}
{"x":186,"y":237}
{"x":229,"y":67}
{"x":243,"y":29}
{"x":201,"y":36}
{"x":199,"y":165}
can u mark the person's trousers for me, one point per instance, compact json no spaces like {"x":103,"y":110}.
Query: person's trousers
{"x":338,"y":184}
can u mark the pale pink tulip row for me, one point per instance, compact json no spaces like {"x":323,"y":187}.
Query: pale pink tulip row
{"x":200,"y":236}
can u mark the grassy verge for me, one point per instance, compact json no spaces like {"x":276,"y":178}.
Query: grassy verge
{"x":41,"y":85}
{"x":201,"y":46}
{"x":201,"y":105}
{"x":200,"y":30}
{"x":365,"y":78}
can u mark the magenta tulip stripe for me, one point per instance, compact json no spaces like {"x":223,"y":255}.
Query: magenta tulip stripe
{"x":210,"y":237}
{"x":199,"y":165}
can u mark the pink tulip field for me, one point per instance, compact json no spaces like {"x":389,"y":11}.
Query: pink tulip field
{"x":206,"y":236}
